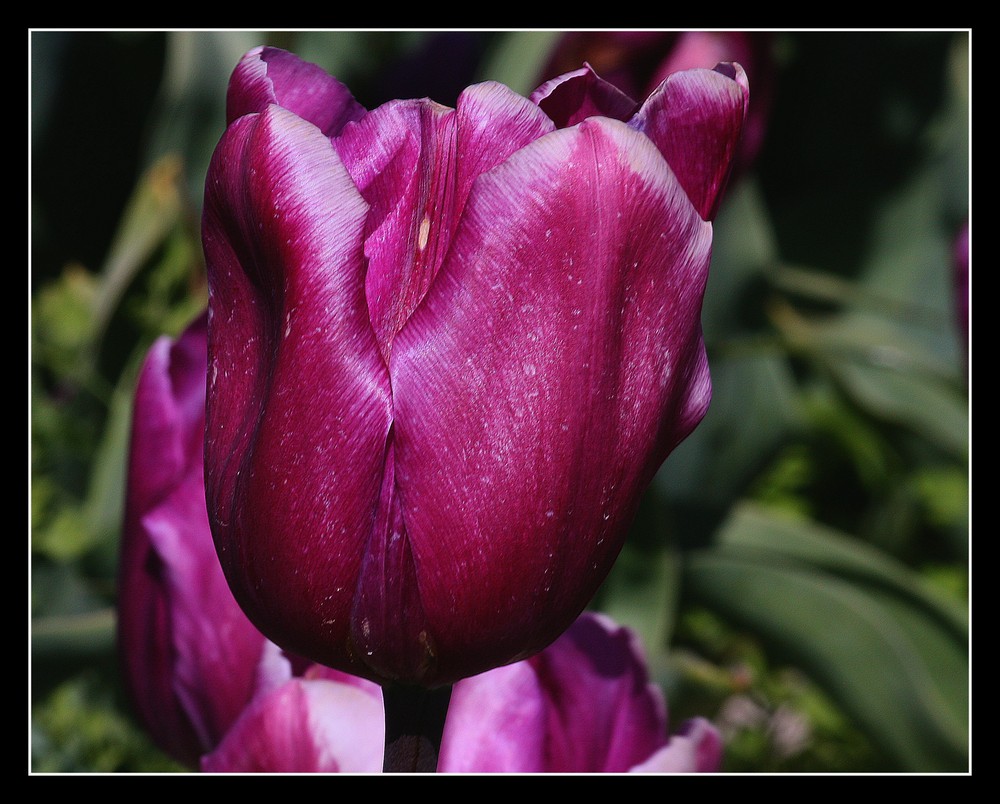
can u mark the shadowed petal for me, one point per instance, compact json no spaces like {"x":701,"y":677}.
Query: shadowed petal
{"x":218,"y":656}
{"x":191,"y":659}
{"x":583,"y":705}
{"x":573,"y":97}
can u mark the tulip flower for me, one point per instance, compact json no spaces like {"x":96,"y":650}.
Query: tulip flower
{"x":191,"y":660}
{"x":583,"y":705}
{"x":448,"y":350}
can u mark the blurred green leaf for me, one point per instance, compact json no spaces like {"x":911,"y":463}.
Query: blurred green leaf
{"x":744,"y":252}
{"x":641,"y":592}
{"x":887,"y":649}
{"x":190,"y":112}
{"x":78,"y":729}
{"x":754,"y":407}
{"x":518,"y":59}
{"x":88,"y":633}
{"x":154,"y":209}
{"x":62,"y":326}
{"x":890,"y":376}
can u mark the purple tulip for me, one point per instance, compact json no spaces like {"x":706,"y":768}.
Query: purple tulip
{"x":583,"y":705}
{"x":188,"y":673}
{"x":448,"y":350}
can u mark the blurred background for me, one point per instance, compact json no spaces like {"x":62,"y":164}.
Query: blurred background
{"x":799,"y":571}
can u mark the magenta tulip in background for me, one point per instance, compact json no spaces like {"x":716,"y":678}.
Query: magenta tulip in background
{"x":448,"y":350}
{"x":191,"y":659}
{"x":583,"y":705}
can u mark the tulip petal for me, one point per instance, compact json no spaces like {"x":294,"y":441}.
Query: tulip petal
{"x":191,"y":659}
{"x":696,"y":119}
{"x":218,"y":654}
{"x":696,"y":748}
{"x":573,"y":97}
{"x":496,"y":723}
{"x":269,"y":75}
{"x":609,"y":717}
{"x":553,"y":365}
{"x":414,"y":162}
{"x":305,"y":726}
{"x":399,"y":157}
{"x":167,"y":432}
{"x":298,"y":390}
{"x":583,"y":705}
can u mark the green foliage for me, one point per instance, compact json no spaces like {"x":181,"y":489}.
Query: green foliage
{"x":79,"y":728}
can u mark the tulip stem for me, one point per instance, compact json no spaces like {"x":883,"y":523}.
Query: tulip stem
{"x":414,"y":723}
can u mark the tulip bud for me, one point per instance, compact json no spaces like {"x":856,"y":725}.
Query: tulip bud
{"x":448,"y":350}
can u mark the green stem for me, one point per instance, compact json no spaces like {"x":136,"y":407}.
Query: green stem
{"x":414,"y":722}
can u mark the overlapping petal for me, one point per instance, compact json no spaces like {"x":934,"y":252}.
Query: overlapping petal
{"x":696,"y":118}
{"x":268,"y":75}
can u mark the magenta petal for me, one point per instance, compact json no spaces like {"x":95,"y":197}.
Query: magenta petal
{"x":606,"y":716}
{"x":583,"y":705}
{"x":496,"y":723}
{"x":400,"y":157}
{"x":696,"y":119}
{"x":269,"y":75}
{"x":414,"y":162}
{"x":217,"y":653}
{"x":573,"y":97}
{"x":696,"y":748}
{"x":191,"y":660}
{"x":554,"y":364}
{"x":305,"y":726}
{"x":298,"y":391}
